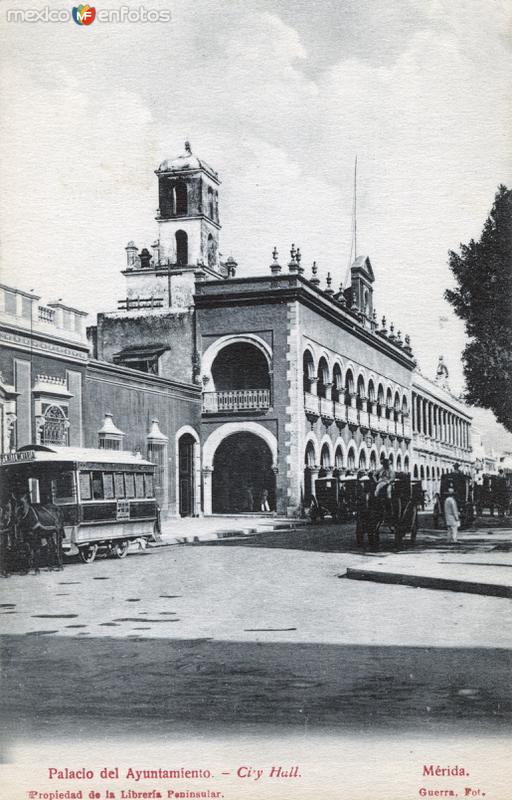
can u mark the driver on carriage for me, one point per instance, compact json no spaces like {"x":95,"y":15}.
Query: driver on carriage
{"x":385,"y":476}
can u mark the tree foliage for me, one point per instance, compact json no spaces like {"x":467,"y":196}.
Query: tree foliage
{"x":483,"y":299}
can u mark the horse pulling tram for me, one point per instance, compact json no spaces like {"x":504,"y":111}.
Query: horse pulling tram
{"x":73,"y":502}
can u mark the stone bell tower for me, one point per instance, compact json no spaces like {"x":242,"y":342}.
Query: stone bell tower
{"x":188,"y":213}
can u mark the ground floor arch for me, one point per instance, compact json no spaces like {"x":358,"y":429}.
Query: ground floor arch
{"x":243,"y":480}
{"x":239,"y":469}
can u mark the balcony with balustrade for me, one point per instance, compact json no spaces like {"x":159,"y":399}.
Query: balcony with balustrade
{"x":238,"y":400}
{"x":238,"y":381}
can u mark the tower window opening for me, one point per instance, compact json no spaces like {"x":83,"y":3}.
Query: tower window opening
{"x":181,"y":198}
{"x":181,"y":248}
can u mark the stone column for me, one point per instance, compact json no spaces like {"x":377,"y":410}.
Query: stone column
{"x":207,"y":490}
{"x":313,"y":384}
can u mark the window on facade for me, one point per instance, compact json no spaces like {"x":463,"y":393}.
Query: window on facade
{"x":129,"y":483}
{"x":64,"y":487}
{"x":85,"y":486}
{"x":211,"y":204}
{"x":97,"y":486}
{"x":139,"y":485}
{"x":119,"y":484}
{"x":108,"y":485}
{"x":148,"y":485}
{"x":55,"y":428}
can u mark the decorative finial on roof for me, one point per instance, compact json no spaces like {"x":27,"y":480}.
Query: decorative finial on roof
{"x":292,"y":264}
{"x":328,"y":281}
{"x":298,"y":258}
{"x":188,"y":149}
{"x":275,"y":267}
{"x":392,"y":332}
{"x":399,"y":338}
{"x":340,"y":296}
{"x":314,"y":274}
{"x":383,"y":329}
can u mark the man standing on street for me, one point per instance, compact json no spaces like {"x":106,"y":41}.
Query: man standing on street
{"x":451,"y":516}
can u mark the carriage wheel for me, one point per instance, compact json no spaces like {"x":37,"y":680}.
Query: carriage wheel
{"x":87,"y":554}
{"x":119,"y":549}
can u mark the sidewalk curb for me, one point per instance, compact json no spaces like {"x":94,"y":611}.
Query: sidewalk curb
{"x":428,"y":582}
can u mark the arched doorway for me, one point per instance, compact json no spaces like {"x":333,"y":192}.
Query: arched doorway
{"x":242,"y":473}
{"x":186,"y":475}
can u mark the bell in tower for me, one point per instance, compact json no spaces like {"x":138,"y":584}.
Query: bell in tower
{"x":188,"y":214}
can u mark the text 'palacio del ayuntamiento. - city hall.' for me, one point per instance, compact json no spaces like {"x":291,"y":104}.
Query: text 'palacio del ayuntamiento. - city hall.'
{"x":239,"y":388}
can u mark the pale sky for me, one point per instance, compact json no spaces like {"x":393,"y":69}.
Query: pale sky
{"x":279,"y":97}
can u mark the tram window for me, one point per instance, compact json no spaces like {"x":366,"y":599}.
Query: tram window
{"x":64,"y":487}
{"x":108,"y":485}
{"x":119,"y":484}
{"x":97,"y":486}
{"x":139,"y":484}
{"x":148,"y":482}
{"x":85,"y":486}
{"x":129,"y":484}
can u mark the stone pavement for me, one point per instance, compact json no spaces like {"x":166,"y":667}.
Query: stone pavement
{"x":480,"y":563}
{"x":192,"y":530}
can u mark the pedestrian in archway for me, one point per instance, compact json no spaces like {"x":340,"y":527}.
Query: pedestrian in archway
{"x":265,"y":504}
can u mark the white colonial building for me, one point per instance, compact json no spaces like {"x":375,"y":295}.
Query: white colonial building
{"x":441,"y":426}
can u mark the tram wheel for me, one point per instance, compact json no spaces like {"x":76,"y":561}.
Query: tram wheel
{"x":87,"y":554}
{"x":119,"y":549}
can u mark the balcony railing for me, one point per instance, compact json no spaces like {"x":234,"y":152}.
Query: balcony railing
{"x":374,"y":422}
{"x":236,"y":400}
{"x":311,"y":403}
{"x":353,"y":415}
{"x":45,"y":314}
{"x":326,"y":408}
{"x":340,"y":412}
{"x":136,"y":303}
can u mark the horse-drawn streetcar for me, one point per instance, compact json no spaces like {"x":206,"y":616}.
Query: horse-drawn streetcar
{"x":78,"y":501}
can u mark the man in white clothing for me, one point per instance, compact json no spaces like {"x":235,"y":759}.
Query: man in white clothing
{"x":451,"y":516}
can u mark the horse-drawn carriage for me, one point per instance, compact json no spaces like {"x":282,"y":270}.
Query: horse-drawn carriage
{"x":59,"y":501}
{"x":493,"y":492}
{"x":397,"y":514}
{"x":335,"y":497}
{"x":462,"y":491}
